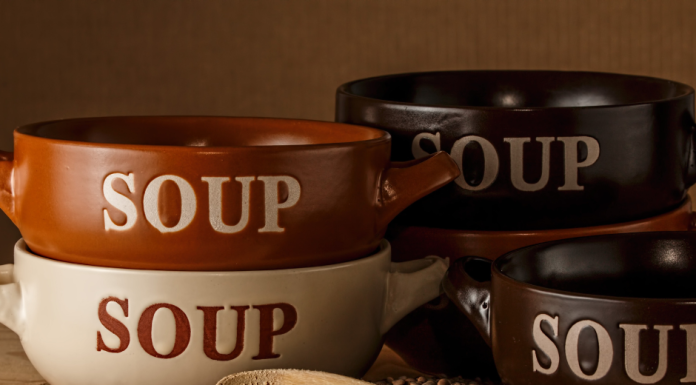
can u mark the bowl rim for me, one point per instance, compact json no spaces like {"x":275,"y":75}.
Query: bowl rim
{"x":21,"y":249}
{"x":28,"y":132}
{"x":496,"y":270}
{"x":343,"y":90}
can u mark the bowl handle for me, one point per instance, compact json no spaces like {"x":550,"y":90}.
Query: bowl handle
{"x":406,"y":182}
{"x":409,"y":285}
{"x":11,"y":304}
{"x":691,"y":173}
{"x":471,"y":294}
{"x":6,"y":185}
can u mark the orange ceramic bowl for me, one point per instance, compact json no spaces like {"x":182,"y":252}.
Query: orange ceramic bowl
{"x":208,"y":193}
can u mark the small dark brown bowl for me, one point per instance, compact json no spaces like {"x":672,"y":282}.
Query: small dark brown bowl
{"x":612,"y":309}
{"x":430,"y":338}
{"x":537,"y":149}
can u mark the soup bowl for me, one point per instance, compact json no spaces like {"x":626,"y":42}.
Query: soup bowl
{"x":612,"y":309}
{"x":84,"y":325}
{"x":537,"y":149}
{"x":208,"y":193}
{"x":437,"y":338}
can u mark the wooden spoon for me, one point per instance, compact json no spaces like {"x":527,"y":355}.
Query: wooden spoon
{"x":288,"y":377}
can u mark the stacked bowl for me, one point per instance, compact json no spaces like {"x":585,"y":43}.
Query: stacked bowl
{"x":181,"y":249}
{"x":615,"y":309}
{"x":544,"y":155}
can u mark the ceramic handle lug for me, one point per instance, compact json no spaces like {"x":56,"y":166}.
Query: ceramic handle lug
{"x":406,"y":182}
{"x":411,"y":284}
{"x":468,"y":285}
{"x":6,"y":185}
{"x":691,"y":170}
{"x":11,"y":306}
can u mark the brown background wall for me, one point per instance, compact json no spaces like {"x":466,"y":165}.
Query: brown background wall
{"x":285,"y":58}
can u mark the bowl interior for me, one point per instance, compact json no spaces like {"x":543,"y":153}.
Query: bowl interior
{"x":639,"y":265}
{"x":517,"y":89}
{"x":201,"y":131}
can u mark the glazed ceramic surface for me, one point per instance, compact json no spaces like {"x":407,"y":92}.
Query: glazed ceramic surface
{"x":612,"y":309}
{"x":537,"y":149}
{"x":91,"y":325}
{"x":430,"y":338}
{"x":190,"y":193}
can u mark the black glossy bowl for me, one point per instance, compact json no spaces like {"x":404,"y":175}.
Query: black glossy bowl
{"x":537,"y":149}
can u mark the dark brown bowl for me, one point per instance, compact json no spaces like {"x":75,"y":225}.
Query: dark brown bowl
{"x":611,"y":309}
{"x":537,"y":149}
{"x":437,"y":338}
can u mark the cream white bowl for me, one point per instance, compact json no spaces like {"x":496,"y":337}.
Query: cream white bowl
{"x":92,"y":325}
